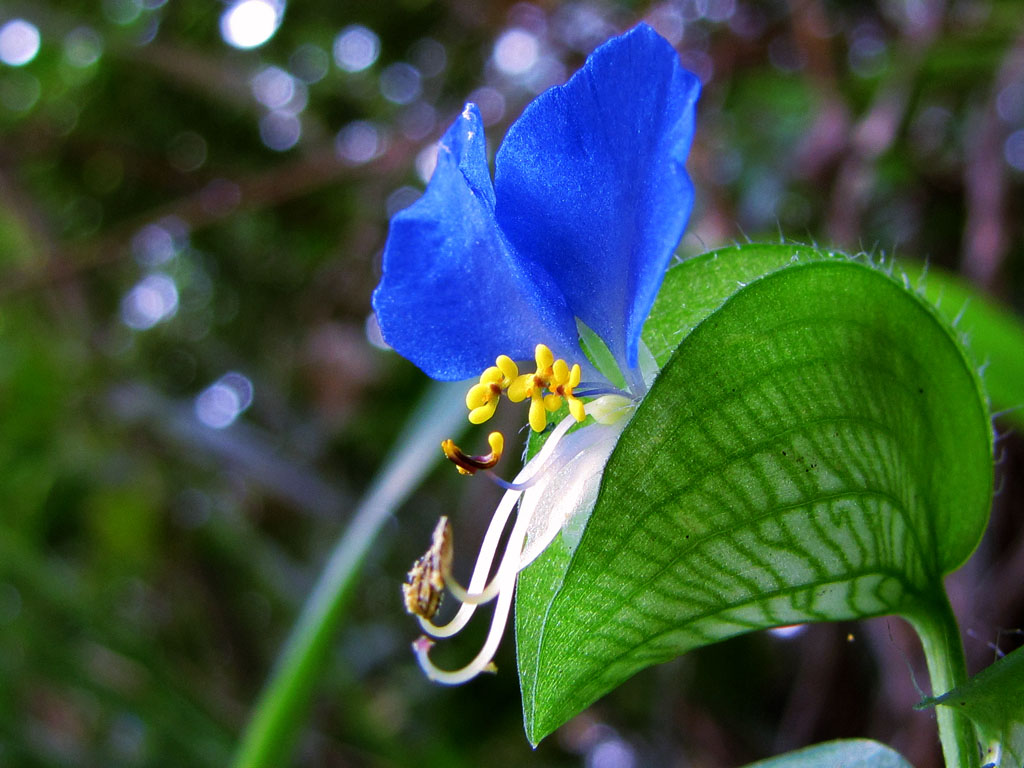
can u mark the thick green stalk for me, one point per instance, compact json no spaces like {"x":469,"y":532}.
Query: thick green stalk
{"x":277,"y":715}
{"x":944,"y":652}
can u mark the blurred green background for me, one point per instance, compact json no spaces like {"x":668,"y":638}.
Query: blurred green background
{"x":193,"y":200}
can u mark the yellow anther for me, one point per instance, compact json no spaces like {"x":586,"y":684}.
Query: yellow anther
{"x":560,"y":370}
{"x":482,"y":413}
{"x":544,"y":358}
{"x":482,"y":398}
{"x":508,"y":368}
{"x":565,"y":381}
{"x":479,"y":394}
{"x":538,"y":415}
{"x":521,"y":388}
{"x":576,"y":408}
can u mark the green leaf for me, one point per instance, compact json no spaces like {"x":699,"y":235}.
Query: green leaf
{"x":994,"y":701}
{"x":816,"y":448}
{"x":848,"y":753}
{"x":995,"y":335}
{"x":694,"y":289}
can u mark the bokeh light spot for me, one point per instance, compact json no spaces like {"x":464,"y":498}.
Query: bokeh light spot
{"x":19,"y":42}
{"x":158,"y":243}
{"x":429,"y":57}
{"x":359,"y":142}
{"x":426,"y":162}
{"x":310,"y":63}
{"x":417,"y":121}
{"x":220,"y":404}
{"x":400,"y":83}
{"x":280,"y":131}
{"x":186,"y":152}
{"x":82,"y":47}
{"x":19,"y":91}
{"x":612,"y":753}
{"x":1013,"y":150}
{"x":250,"y":23}
{"x":516,"y":52}
{"x":272,"y":87}
{"x":1010,"y":102}
{"x":491,"y":103}
{"x":356,"y":48}
{"x":401,"y":199}
{"x":667,"y":20}
{"x":153,"y":300}
{"x":122,"y":12}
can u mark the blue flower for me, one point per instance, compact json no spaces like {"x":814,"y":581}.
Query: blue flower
{"x":589,"y":200}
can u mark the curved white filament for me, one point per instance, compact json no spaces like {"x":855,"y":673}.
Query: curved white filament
{"x":477,"y":593}
{"x":506,"y":579}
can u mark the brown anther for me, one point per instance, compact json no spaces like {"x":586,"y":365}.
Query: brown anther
{"x":470,"y":465}
{"x":425,"y":587}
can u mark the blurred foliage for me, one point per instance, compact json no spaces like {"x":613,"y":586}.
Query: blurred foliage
{"x":152,"y":242}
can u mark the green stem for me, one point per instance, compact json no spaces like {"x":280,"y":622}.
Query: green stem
{"x":277,"y":715}
{"x":944,"y":652}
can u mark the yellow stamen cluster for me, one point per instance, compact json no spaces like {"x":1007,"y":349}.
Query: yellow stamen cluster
{"x":552,"y":375}
{"x":482,"y":398}
{"x":545,"y":388}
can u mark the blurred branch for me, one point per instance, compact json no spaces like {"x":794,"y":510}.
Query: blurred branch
{"x":316,"y":168}
{"x":206,"y":75}
{"x":830,"y":130}
{"x":871,"y":137}
{"x":877,"y":131}
{"x":33,"y":224}
{"x":986,"y":238}
{"x":241,"y":445}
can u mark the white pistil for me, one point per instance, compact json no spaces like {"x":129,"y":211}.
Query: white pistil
{"x":545,"y":466}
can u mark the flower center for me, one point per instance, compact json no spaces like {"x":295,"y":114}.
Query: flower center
{"x":545,"y":388}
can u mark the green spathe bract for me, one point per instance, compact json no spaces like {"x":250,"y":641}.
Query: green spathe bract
{"x":816,"y":448}
{"x":994,"y":701}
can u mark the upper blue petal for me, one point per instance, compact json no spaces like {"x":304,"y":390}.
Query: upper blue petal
{"x":452,"y":295}
{"x":590,"y":182}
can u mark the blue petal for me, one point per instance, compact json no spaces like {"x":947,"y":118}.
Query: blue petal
{"x":590,"y":182}
{"x":452,"y":296}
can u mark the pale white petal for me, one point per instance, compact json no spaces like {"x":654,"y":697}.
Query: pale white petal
{"x":568,"y":488}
